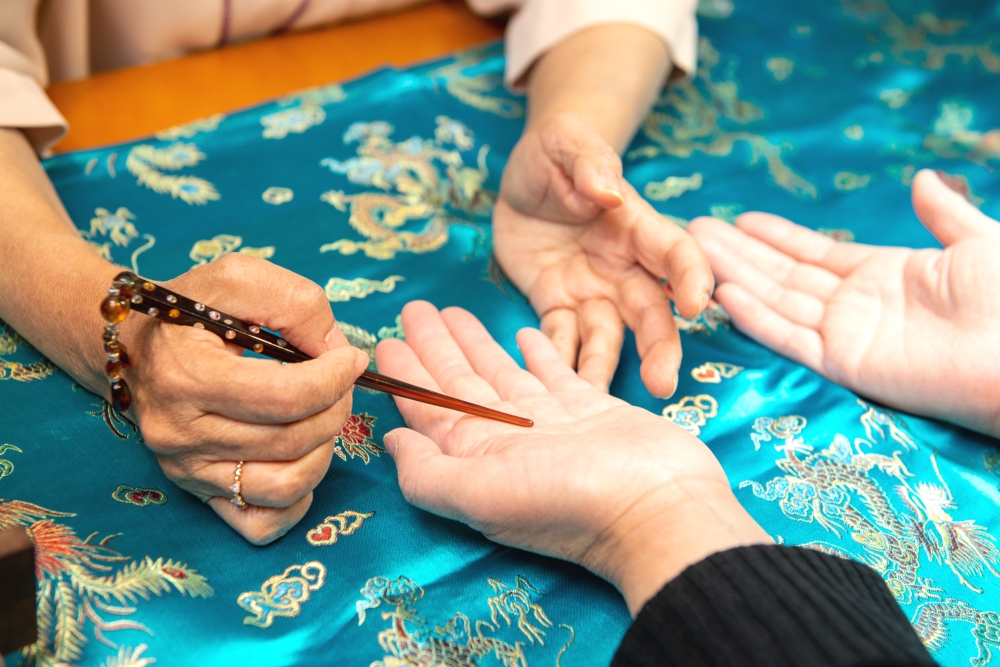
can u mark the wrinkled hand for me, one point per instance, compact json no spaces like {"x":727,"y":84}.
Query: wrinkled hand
{"x":589,"y":253}
{"x":202,"y":406}
{"x":622,"y":491}
{"x":914,"y":329}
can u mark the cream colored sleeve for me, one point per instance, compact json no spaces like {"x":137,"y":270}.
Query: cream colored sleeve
{"x":538,"y":25}
{"x":23,"y":102}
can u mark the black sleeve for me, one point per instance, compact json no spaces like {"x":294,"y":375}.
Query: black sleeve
{"x":776,"y":606}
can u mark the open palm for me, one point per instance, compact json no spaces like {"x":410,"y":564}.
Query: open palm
{"x":590,"y":254}
{"x":915,"y":329}
{"x":593,"y":479}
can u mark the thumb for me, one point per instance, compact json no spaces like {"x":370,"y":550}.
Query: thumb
{"x":428,"y":479}
{"x":945,"y":212}
{"x":592,"y":165}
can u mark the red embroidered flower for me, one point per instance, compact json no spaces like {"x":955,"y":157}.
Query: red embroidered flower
{"x":356,"y":437}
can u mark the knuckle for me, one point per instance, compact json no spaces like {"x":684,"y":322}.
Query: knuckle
{"x":288,"y":489}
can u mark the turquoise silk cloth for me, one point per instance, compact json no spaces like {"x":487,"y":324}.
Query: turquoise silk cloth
{"x":381,"y":190}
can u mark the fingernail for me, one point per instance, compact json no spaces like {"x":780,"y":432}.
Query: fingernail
{"x":611,"y":183}
{"x":391,"y":445}
{"x":703,"y":302}
{"x":361,"y":362}
{"x":331,"y":337}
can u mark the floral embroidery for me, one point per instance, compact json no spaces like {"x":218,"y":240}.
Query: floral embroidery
{"x":780,"y":67}
{"x":846,"y":181}
{"x":189,"y":130}
{"x":296,"y":120}
{"x":129,"y":657}
{"x":692,"y":412}
{"x":282,"y":594}
{"x":10,"y":342}
{"x":113,"y":421}
{"x":903,"y":39}
{"x":77,"y":581}
{"x":409,"y":642}
{"x":952,"y":137}
{"x":960,"y":184}
{"x":895,"y":98}
{"x":339,"y":289}
{"x":686,"y":120}
{"x":145,"y":162}
{"x":712,"y":372}
{"x":277,"y":196}
{"x":6,"y":467}
{"x":117,"y":226}
{"x":366,"y":341}
{"x":346,"y":523}
{"x":205,"y":251}
{"x":854,"y":132}
{"x":672,"y":187}
{"x":356,"y":438}
{"x":134,"y":495}
{"x":431,"y":183}
{"x":476,"y":90}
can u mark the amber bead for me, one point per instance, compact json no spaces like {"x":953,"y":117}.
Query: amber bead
{"x":174,"y":313}
{"x":113,"y":369}
{"x":116,"y":347}
{"x":258,"y":348}
{"x":115,"y":309}
{"x":121,"y":397}
{"x":110,"y":334}
{"x":149,"y":287}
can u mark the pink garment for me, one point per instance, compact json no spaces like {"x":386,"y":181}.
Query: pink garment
{"x":43,"y":41}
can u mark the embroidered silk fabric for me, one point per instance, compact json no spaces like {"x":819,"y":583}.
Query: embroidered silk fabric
{"x":381,"y":191}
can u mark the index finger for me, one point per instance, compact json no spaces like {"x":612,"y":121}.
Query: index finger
{"x":804,"y":244}
{"x":196,"y":366}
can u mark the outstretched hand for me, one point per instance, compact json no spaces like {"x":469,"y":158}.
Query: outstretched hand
{"x":915,"y":329}
{"x":589,"y":253}
{"x":615,"y":488}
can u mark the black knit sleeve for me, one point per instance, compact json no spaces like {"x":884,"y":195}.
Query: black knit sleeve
{"x":775,"y":606}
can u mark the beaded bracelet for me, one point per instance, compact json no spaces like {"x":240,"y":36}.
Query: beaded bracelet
{"x":115,"y":309}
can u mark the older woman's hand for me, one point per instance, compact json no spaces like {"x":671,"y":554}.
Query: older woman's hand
{"x":589,"y":253}
{"x":202,"y":406}
{"x":621,"y":491}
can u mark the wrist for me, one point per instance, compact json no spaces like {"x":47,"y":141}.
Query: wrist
{"x":668,"y":531}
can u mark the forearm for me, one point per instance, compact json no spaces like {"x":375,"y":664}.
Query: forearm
{"x":50,"y":279}
{"x":609,"y":74}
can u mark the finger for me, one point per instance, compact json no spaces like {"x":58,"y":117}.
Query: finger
{"x":602,"y":333}
{"x":945,"y":213}
{"x":798,"y":307}
{"x":488,"y":359}
{"x":544,"y":362}
{"x":594,"y":168}
{"x":260,"y":525}
{"x":770,"y":329}
{"x":646,"y":310}
{"x":263,"y":483}
{"x":804,"y":244}
{"x":396,"y":359}
{"x":775,"y":264}
{"x":428,"y":478}
{"x":561,"y":327}
{"x":263,"y":293}
{"x":194,"y":366}
{"x":667,"y":251}
{"x":428,"y":336}
{"x":218,"y":438}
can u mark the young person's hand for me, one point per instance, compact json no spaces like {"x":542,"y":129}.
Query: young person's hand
{"x":917,"y":330}
{"x":617,"y":489}
{"x":589,"y":253}
{"x":202,"y":406}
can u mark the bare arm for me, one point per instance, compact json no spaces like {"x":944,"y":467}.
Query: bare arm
{"x":609,"y":75}
{"x":47,"y":267}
